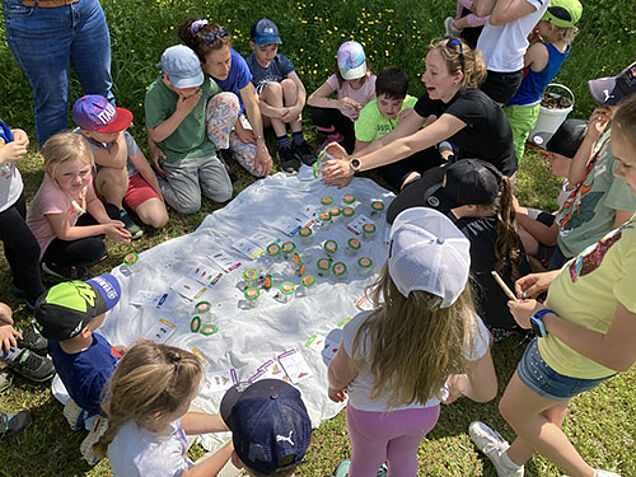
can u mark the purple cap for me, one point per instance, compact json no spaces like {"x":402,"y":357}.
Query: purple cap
{"x":612,"y":90}
{"x":94,"y":113}
{"x":270,"y":426}
{"x":352,"y":61}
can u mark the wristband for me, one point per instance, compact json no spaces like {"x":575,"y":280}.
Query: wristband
{"x":536,"y":321}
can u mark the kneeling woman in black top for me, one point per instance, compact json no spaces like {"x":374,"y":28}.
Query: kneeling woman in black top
{"x":478,"y":199}
{"x":452,"y":109}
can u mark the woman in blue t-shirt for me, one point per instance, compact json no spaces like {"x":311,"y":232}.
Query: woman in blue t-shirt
{"x":213,"y":44}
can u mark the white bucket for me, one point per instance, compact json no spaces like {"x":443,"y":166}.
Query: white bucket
{"x":550,"y":119}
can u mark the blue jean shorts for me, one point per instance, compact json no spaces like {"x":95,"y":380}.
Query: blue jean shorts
{"x":546,"y":382}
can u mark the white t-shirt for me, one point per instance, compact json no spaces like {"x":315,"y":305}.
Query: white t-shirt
{"x":503,"y":46}
{"x":138,"y":452}
{"x":361,"y":386}
{"x":10,"y":185}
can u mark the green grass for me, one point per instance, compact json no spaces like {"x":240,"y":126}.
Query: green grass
{"x":600,"y":423}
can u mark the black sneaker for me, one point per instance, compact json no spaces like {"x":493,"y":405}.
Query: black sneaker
{"x":34,"y":341}
{"x":132,"y":227}
{"x":32,"y":366}
{"x":15,"y":423}
{"x":74,"y":272}
{"x":304,"y":152}
{"x":287,"y":159}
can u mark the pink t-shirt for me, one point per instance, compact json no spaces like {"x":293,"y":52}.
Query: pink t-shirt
{"x":50,"y":199}
{"x":362,"y":95}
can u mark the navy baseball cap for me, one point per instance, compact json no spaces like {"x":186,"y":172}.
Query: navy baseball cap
{"x":66,"y":308}
{"x":270,"y":426}
{"x":94,"y":113}
{"x":182,"y":67}
{"x":614,"y":89}
{"x":265,"y":31}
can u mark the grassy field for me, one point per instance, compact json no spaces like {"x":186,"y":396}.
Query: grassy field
{"x":600,"y":424}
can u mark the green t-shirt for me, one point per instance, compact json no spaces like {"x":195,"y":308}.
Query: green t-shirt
{"x":190,"y":138}
{"x":371,"y":125}
{"x":590,"y":210}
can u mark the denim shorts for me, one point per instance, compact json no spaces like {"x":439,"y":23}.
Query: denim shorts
{"x":546,"y":382}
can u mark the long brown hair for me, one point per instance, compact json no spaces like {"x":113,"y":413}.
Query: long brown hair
{"x":150,"y":380}
{"x":472,"y":66}
{"x":411,"y":344}
{"x":193,"y":31}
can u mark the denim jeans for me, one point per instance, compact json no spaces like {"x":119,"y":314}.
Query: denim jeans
{"x":43,"y":40}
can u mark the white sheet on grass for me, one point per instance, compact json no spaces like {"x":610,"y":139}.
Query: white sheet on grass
{"x":247,"y":339}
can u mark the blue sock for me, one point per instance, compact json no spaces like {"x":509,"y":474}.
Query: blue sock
{"x":297,"y":138}
{"x":283,"y":141}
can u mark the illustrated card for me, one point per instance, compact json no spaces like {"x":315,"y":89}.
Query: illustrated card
{"x":247,"y":248}
{"x":202,"y":274}
{"x":146,"y":298}
{"x":294,"y":365}
{"x":288,"y":225}
{"x":221,"y":380}
{"x":189,"y":288}
{"x":160,"y":331}
{"x":224,"y":261}
{"x":269,"y":370}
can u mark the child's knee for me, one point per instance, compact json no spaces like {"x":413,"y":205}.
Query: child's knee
{"x":290,"y":90}
{"x":272,"y":91}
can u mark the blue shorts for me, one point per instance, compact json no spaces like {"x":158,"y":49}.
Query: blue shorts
{"x":546,"y":382}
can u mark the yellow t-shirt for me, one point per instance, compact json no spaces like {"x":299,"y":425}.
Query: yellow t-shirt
{"x":586,"y":292}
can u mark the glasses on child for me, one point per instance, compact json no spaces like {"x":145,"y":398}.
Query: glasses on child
{"x":455,"y":45}
{"x":211,"y":36}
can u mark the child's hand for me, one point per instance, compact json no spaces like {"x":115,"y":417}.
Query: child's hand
{"x":156,"y":154}
{"x":348,"y":103}
{"x":533,"y":284}
{"x":534,"y":36}
{"x":337,"y":395}
{"x":8,"y":335}
{"x":121,"y":349}
{"x":454,"y":387}
{"x":187,"y":104}
{"x":291,"y":114}
{"x":116,"y":231}
{"x":523,"y":310}
{"x":12,"y":151}
{"x":598,"y":122}
{"x":405,"y":113}
{"x":20,"y":137}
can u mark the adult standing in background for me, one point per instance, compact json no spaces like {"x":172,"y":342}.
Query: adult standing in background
{"x":43,"y":35}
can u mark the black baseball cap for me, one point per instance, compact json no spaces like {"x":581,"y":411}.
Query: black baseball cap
{"x":613,"y":89}
{"x":568,"y":138}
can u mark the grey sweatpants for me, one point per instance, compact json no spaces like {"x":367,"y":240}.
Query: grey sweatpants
{"x":186,"y":179}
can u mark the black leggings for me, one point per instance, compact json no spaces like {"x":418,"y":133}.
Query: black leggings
{"x":419,"y":162}
{"x":330,"y":120}
{"x":85,"y":251}
{"x":21,"y":249}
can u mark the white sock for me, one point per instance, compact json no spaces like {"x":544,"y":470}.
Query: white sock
{"x":505,"y":460}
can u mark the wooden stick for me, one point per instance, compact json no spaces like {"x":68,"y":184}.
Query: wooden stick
{"x":503,"y":286}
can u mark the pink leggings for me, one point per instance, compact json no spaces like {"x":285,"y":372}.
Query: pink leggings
{"x":393,"y":436}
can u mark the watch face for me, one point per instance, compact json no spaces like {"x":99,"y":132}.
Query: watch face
{"x":355,"y":164}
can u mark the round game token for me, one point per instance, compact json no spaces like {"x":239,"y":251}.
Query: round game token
{"x":330,"y":246}
{"x":339,"y":269}
{"x":273,"y":249}
{"x":349,"y":199}
{"x":130,"y":258}
{"x":324,"y":216}
{"x":203,"y":307}
{"x":251,"y":293}
{"x":288,"y":247}
{"x":334,"y":212}
{"x":354,"y":243}
{"x":267,"y":282}
{"x":309,"y":280}
{"x":305,"y":232}
{"x":377,"y":205}
{"x":326,"y":200}
{"x":287,"y":288}
{"x":296,"y":260}
{"x":208,"y":330}
{"x":365,"y":262}
{"x":250,"y":275}
{"x":323,"y":264}
{"x":195,"y":324}
{"x":301,"y":270}
{"x":348,"y":211}
{"x":368,"y":228}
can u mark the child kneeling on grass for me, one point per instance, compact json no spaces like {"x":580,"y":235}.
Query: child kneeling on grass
{"x":65,"y":216}
{"x":123,"y":174}
{"x":388,"y":360}
{"x":585,"y":334}
{"x":281,"y":94}
{"x":176,"y":121}
{"x":149,"y":395}
{"x":69,"y":314}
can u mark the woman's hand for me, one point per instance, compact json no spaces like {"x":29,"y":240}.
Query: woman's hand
{"x":246,"y":136}
{"x":337,"y":171}
{"x":535,"y":283}
{"x":263,"y":161}
{"x":337,"y":395}
{"x":523,"y":310}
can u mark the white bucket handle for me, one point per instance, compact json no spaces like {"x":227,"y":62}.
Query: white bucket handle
{"x":565,"y":88}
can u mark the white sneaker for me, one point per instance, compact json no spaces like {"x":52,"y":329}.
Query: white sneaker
{"x":74,"y":415}
{"x":605,"y":473}
{"x":99,"y":427}
{"x":493,"y":446}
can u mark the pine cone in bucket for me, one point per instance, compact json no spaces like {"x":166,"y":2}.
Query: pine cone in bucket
{"x":555,"y":101}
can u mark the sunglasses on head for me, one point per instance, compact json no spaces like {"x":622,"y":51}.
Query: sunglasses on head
{"x":455,"y":45}
{"x":211,"y":36}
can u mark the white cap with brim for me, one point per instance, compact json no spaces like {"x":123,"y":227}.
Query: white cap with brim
{"x":354,"y":73}
{"x":428,"y":252}
{"x":182,"y":67}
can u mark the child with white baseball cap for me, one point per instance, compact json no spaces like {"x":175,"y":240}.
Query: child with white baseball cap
{"x":387,"y":363}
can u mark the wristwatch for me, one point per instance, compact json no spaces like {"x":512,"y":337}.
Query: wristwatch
{"x":355,"y":165}
{"x":536,"y":321}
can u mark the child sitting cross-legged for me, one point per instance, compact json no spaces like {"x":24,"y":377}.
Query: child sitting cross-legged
{"x":281,"y":94}
{"x":69,"y":315}
{"x":123,"y":174}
